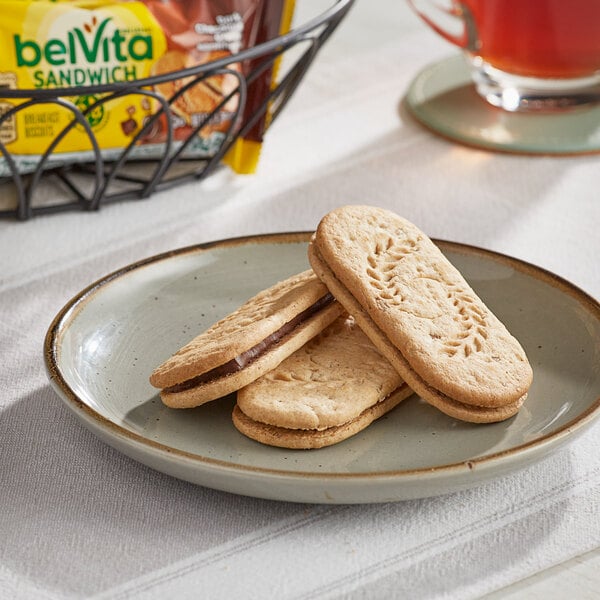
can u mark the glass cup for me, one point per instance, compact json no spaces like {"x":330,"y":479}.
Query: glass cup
{"x":524,"y":55}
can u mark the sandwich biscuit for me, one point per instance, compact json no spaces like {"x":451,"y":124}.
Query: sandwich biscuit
{"x":328,"y":390}
{"x":421,"y":313}
{"x":250,"y":341}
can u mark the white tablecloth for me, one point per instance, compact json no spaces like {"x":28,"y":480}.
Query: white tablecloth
{"x":80,"y":520}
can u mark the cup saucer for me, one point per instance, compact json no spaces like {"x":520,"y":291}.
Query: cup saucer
{"x":442,"y":97}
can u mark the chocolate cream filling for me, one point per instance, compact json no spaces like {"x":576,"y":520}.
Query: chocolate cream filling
{"x":249,"y":356}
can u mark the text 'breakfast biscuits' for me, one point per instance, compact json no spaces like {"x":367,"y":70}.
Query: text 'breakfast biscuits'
{"x":420,"y":312}
{"x":328,"y":390}
{"x":250,"y":341}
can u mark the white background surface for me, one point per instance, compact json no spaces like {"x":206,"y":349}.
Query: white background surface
{"x":79,"y":520}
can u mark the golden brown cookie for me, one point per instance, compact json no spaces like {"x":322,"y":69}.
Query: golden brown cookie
{"x":328,"y":390}
{"x":420,"y":312}
{"x":244,"y":345}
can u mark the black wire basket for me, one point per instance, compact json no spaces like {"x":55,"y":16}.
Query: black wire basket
{"x":106,"y":178}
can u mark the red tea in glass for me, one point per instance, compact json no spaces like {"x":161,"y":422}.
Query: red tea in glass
{"x":525,"y":54}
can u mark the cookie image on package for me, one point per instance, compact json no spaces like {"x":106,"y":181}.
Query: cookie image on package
{"x":247,"y":343}
{"x":328,"y":390}
{"x":194,"y":99}
{"x":421,"y":313}
{"x":170,"y":62}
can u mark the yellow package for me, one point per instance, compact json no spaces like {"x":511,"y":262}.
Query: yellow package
{"x":51,"y":45}
{"x":83,"y":44}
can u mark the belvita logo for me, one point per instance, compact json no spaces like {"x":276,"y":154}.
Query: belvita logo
{"x":97,"y":52}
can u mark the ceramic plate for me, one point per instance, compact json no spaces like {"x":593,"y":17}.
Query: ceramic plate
{"x":104,"y":343}
{"x":443,"y":98}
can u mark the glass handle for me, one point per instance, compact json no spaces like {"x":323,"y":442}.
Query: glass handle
{"x":451,"y":19}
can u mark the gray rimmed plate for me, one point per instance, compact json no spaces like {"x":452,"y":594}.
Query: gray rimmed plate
{"x":102,"y":346}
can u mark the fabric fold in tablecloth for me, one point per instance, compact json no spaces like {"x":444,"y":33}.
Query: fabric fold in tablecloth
{"x":459,"y":546}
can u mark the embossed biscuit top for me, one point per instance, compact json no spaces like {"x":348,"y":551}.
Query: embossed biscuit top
{"x":326,"y":383}
{"x":423,"y":305}
{"x":250,"y":324}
